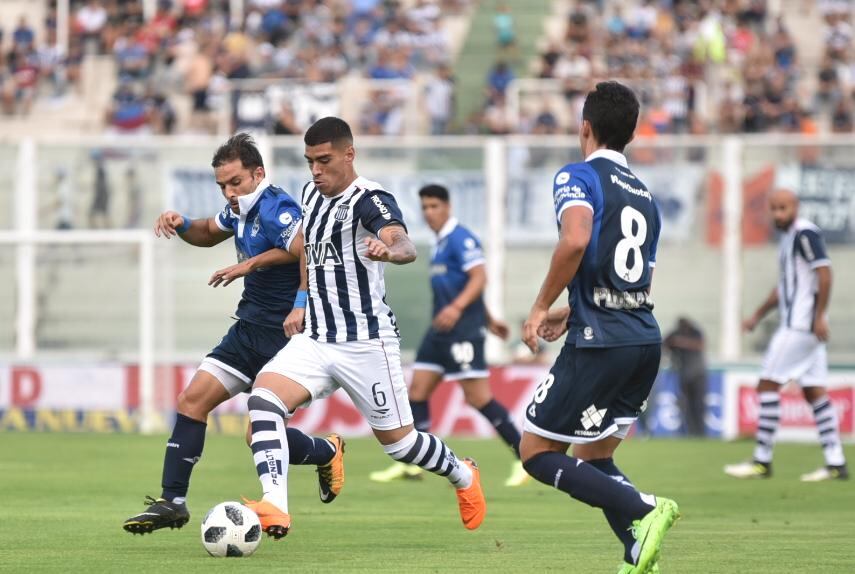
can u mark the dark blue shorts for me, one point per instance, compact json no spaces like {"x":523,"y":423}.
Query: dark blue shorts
{"x":457,"y":359}
{"x":592,"y":393}
{"x":246,"y":348}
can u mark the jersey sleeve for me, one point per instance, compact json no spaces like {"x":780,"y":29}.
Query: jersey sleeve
{"x":571,"y":189}
{"x":654,"y":245}
{"x":282,"y":223}
{"x":377,"y":209}
{"x":468,"y":251}
{"x":812,"y":247}
{"x":225,"y":219}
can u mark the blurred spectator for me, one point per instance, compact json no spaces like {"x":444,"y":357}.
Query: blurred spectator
{"x":685,"y":344}
{"x":286,"y":123}
{"x":128,"y":113}
{"x":99,"y":210}
{"x":500,"y":76}
{"x":64,"y":204}
{"x":841,"y":118}
{"x":135,"y":199}
{"x":383,"y":114}
{"x":23,"y":36}
{"x":90,"y":21}
{"x":439,"y":100}
{"x":503,"y":25}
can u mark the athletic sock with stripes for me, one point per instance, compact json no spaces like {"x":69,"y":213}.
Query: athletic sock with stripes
{"x":829,"y":433}
{"x":767,"y":425}
{"x":430,"y":453}
{"x":268,"y":416}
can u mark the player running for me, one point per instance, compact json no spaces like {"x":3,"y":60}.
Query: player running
{"x":344,"y":334}
{"x":609,"y":229}
{"x":453,"y":347}
{"x":265,"y":223}
{"x":797,"y":350}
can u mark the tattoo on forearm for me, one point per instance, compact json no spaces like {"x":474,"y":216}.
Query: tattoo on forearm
{"x":401,"y":245}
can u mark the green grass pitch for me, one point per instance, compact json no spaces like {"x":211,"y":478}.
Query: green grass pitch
{"x":65,"y":497}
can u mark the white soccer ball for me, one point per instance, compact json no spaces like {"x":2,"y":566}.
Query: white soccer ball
{"x":230,"y":529}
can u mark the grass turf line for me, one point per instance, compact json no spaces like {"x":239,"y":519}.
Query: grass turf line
{"x":66,"y":496}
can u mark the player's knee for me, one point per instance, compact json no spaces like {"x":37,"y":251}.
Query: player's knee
{"x":192,"y":405}
{"x":767,"y":386}
{"x":813,"y":394}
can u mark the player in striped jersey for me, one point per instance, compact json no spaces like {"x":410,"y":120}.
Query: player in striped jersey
{"x":797,"y":350}
{"x":264,"y":222}
{"x":344,"y":334}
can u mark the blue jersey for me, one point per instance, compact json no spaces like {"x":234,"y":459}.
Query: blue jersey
{"x":268,"y":218}
{"x":610,"y":293}
{"x":457,"y":251}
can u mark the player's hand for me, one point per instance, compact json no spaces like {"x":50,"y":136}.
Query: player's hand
{"x":447,"y":318}
{"x":499,"y":328}
{"x":749,"y":324}
{"x":294,"y":322}
{"x":167,"y":223}
{"x":377,"y":250}
{"x":532,"y":325}
{"x":820,"y":328}
{"x":225,"y":276}
{"x":554,"y":326}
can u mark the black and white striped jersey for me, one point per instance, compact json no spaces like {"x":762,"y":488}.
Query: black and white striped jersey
{"x":800,"y":252}
{"x":347,"y":291}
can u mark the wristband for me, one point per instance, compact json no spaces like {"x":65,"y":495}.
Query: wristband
{"x":185,"y":225}
{"x":300,"y":299}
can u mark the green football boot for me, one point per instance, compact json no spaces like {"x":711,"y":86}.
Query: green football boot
{"x":650,"y":531}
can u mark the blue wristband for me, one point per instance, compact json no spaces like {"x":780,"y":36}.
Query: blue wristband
{"x":185,"y":225}
{"x":300,"y":299}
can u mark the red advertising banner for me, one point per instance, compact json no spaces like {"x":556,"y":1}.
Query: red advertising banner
{"x":796,"y":413}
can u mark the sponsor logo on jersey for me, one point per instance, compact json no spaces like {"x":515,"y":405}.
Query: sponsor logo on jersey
{"x":438,"y":269}
{"x":592,"y":417}
{"x":567,"y":193}
{"x":627,"y":300}
{"x":256,"y":226}
{"x":319,"y":254}
{"x":562,"y":178}
{"x":285,"y":218}
{"x":587,"y":333}
{"x":633,"y":190}
{"x":384,"y":211}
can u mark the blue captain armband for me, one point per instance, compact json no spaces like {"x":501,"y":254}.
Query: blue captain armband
{"x":300,"y":299}
{"x":185,"y":224}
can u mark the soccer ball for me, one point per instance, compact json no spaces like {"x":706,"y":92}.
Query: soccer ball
{"x":230,"y":529}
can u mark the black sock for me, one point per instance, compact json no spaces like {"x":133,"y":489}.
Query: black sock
{"x":304,"y":449}
{"x":421,"y":415}
{"x":619,"y":523}
{"x":587,"y":484}
{"x":500,"y":418}
{"x":183,"y":451}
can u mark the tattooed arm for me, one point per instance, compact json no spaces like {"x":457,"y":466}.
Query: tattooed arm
{"x":576,"y":226}
{"x":394,"y":246}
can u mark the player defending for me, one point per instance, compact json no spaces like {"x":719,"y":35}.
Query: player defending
{"x":453,"y":348}
{"x":343,"y":333}
{"x":265,"y":223}
{"x":609,"y":229}
{"x":797,"y":350}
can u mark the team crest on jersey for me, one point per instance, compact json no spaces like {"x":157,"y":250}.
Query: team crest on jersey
{"x":562,"y":178}
{"x":341,"y":212}
{"x":256,"y":226}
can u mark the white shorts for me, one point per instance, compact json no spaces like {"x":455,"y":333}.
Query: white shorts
{"x":368,"y":371}
{"x":795,"y":356}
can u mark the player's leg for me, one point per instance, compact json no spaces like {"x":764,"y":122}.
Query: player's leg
{"x":769,"y":394}
{"x":425,"y":380}
{"x":370,"y":372}
{"x":304,"y":449}
{"x":479,"y":396}
{"x":183,"y":451}
{"x":829,"y":436}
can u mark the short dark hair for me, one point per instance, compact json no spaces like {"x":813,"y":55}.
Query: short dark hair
{"x":240,"y":146}
{"x":612,"y":110}
{"x":434,"y":190}
{"x":328,"y":129}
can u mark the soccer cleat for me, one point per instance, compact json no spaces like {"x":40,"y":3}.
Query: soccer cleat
{"x":398,"y":471}
{"x":827,"y":473}
{"x":331,"y":474}
{"x":752,"y":469}
{"x":627,"y":568}
{"x":273,"y":521}
{"x":161,"y":513}
{"x":650,"y":531}
{"x":473,"y":506}
{"x":518,"y":475}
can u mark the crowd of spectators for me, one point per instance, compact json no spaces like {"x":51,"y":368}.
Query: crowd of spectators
{"x":196,"y":47}
{"x":721,"y":66}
